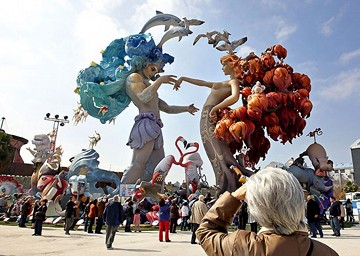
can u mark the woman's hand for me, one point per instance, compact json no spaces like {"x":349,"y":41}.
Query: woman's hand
{"x":192,"y":109}
{"x":213,"y":115}
{"x":178,"y":83}
{"x":240,"y":193}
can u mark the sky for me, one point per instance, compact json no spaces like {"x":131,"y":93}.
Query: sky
{"x":45,"y":43}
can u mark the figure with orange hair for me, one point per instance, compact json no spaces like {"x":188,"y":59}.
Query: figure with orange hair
{"x":222,"y":95}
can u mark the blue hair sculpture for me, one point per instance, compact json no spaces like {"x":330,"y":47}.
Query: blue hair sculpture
{"x":102,"y":86}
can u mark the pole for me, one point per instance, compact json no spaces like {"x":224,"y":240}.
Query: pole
{"x":2,"y":122}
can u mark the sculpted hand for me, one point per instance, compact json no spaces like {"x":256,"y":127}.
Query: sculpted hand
{"x":192,"y":109}
{"x":240,"y":193}
{"x":213,"y":116}
{"x":177,"y":84}
{"x":168,"y":79}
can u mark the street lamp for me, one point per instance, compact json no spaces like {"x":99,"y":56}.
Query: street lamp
{"x":53,"y":135}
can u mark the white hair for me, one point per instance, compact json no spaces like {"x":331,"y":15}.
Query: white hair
{"x":116,"y":198}
{"x":276,"y":200}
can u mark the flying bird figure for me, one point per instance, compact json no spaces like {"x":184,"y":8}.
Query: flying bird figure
{"x":214,"y":37}
{"x":230,"y":48}
{"x":208,"y":35}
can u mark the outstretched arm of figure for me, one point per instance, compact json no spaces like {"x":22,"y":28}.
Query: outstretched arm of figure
{"x":192,"y":81}
{"x":145,"y":94}
{"x":163,"y":106}
{"x":228,"y":101}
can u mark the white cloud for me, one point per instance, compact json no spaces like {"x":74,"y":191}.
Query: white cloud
{"x":326,"y":27}
{"x":284,"y":30}
{"x":342,"y":85}
{"x":347,"y":56}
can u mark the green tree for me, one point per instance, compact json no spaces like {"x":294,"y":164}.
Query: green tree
{"x":7,"y":151}
{"x":350,"y":187}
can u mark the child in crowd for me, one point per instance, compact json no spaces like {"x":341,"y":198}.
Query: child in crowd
{"x":136,"y":220}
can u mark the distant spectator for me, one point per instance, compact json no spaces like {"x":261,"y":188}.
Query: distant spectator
{"x":349,"y":211}
{"x":25,"y":211}
{"x":335,"y":216}
{"x":174,"y":216}
{"x":40,"y":216}
{"x":113,"y":216}
{"x":129,"y":215}
{"x":164,"y":219}
{"x":185,"y":215}
{"x":101,"y":207}
{"x":313,"y":216}
{"x":92,"y":215}
{"x":70,"y":212}
{"x":137,"y":220}
{"x":342,"y":215}
{"x":198,"y":211}
{"x":243,"y":216}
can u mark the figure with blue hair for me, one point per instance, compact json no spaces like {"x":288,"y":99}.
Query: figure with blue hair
{"x":123,"y":75}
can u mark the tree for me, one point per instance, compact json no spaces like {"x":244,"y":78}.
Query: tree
{"x":350,"y":187}
{"x":7,"y":151}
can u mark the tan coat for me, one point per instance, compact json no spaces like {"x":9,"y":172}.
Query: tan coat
{"x":215,"y":240}
{"x":198,"y":211}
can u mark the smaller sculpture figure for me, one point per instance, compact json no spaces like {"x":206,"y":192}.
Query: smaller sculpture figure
{"x":42,"y":148}
{"x":86,"y":163}
{"x":9,"y":186}
{"x":80,"y":114}
{"x":190,"y":160}
{"x":94,"y":140}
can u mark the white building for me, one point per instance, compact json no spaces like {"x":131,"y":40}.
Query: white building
{"x":341,"y":174}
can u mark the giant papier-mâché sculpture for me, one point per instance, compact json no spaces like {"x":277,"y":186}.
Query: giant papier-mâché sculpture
{"x":274,"y":98}
{"x":122,"y":76}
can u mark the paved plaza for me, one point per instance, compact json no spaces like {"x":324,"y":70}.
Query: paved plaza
{"x":19,"y":241}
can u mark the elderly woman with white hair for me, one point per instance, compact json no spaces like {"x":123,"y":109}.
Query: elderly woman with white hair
{"x":276,"y":200}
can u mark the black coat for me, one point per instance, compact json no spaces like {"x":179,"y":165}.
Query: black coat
{"x":40,"y":213}
{"x":335,"y":209}
{"x":312,"y":209}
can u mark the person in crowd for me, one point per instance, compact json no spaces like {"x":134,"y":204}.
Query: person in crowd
{"x":243,"y":216}
{"x":137,"y":220}
{"x":335,"y":216}
{"x":93,"y":213}
{"x":198,"y":211}
{"x":25,"y":211}
{"x":40,"y":216}
{"x":70,"y":212}
{"x":174,"y":216}
{"x":35,"y":207}
{"x":185,"y":215}
{"x":101,"y":207}
{"x":342,"y":216}
{"x":86,"y":217}
{"x":252,"y":222}
{"x":276,"y":200}
{"x":113,"y":216}
{"x":164,"y":218}
{"x":129,"y":215}
{"x":349,"y":211}
{"x":313,"y":216}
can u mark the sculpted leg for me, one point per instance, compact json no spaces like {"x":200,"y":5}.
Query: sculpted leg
{"x":139,"y":160}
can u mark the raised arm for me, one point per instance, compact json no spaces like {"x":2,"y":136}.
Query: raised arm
{"x":192,"y":81}
{"x":163,"y":106}
{"x":146,"y":93}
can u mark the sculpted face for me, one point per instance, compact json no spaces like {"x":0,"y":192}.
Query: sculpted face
{"x":150,"y":70}
{"x":226,"y":67}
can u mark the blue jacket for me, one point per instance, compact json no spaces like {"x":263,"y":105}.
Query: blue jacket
{"x":164,"y":212}
{"x":113,"y":214}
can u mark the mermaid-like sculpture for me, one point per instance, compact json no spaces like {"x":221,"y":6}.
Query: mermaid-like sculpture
{"x":122,"y":76}
{"x":222,"y":94}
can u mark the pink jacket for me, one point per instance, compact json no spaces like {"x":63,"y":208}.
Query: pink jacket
{"x":136,"y":220}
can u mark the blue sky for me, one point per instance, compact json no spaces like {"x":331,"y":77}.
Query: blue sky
{"x":45,"y":43}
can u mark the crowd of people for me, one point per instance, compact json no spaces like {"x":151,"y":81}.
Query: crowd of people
{"x":195,"y":214}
